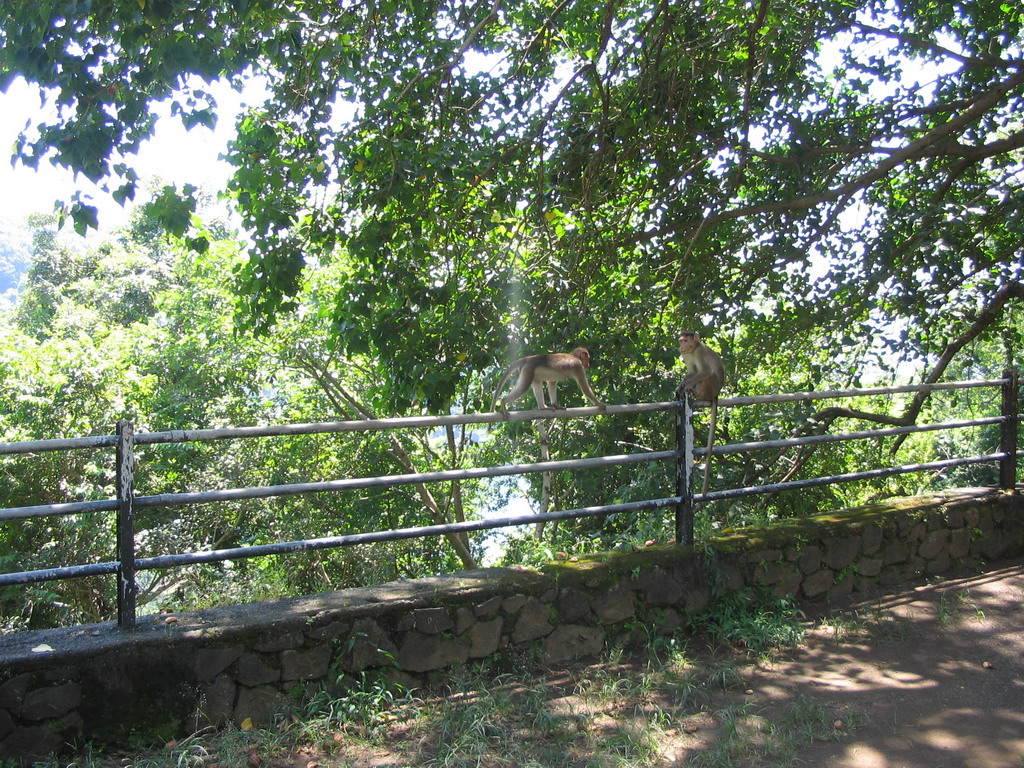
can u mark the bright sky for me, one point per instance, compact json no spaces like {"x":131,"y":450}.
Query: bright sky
{"x":173,"y":155}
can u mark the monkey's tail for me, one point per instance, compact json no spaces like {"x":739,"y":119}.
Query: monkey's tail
{"x":501,"y":383}
{"x":711,"y":442}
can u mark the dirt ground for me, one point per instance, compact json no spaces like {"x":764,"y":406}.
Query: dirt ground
{"x":940,"y":678}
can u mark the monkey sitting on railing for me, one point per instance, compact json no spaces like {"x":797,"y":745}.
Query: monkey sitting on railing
{"x":705,"y":375}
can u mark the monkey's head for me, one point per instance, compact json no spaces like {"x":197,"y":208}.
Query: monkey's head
{"x":583,"y":356}
{"x":688,"y":342}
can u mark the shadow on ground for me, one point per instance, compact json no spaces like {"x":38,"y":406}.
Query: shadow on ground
{"x":938,"y":671}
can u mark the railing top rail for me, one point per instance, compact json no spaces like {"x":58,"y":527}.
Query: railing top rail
{"x":397,"y":422}
{"x":388,"y":481}
{"x":789,"y":397}
{"x":325,"y":427}
{"x":411,"y":422}
{"x":58,"y":444}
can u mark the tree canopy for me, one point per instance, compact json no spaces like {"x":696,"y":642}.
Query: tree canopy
{"x":572,"y":170}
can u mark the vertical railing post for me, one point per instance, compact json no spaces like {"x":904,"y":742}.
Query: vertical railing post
{"x":126,"y":586}
{"x":684,"y":468}
{"x":1008,"y":431}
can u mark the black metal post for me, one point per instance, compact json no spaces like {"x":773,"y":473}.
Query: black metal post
{"x":126,"y":585}
{"x":1008,"y":431}
{"x":684,"y":469}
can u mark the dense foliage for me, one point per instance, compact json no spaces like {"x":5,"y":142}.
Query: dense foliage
{"x":524,"y":174}
{"x":831,"y":192}
{"x":133,"y":329}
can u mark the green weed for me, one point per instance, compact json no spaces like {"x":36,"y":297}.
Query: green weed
{"x":887,"y":628}
{"x":955,"y":606}
{"x":366,"y":708}
{"x":752,"y":620}
{"x":750,"y":736}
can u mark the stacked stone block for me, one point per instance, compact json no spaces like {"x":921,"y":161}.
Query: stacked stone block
{"x":64,"y":687}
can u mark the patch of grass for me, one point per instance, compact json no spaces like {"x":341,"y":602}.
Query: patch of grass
{"x":845,"y":628}
{"x":887,"y":628}
{"x":634,"y":711}
{"x":808,"y":720}
{"x":668,"y":652}
{"x":365,"y":707}
{"x":876,"y":626}
{"x":954,"y":607}
{"x":751,"y":620}
{"x":880,"y":626}
{"x":742,"y":735}
{"x":229,"y":747}
{"x":478,"y":723}
{"x":772,"y":736}
{"x":718,"y":675}
{"x":634,"y":743}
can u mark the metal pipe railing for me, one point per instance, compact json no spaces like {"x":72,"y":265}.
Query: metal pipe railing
{"x":793,"y":442}
{"x":329,"y":542}
{"x":849,"y":477}
{"x":685,"y":453}
{"x":413,"y":422}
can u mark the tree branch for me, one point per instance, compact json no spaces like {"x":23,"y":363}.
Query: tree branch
{"x":923,"y":44}
{"x":820,"y":422}
{"x":466,"y":44}
{"x":337,"y":393}
{"x":984,"y":319}
{"x":928,"y":145}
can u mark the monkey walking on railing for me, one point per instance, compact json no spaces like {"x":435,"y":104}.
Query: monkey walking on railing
{"x":540,"y":371}
{"x":705,"y":375}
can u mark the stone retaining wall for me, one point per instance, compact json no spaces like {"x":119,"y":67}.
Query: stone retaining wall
{"x":176,"y":674}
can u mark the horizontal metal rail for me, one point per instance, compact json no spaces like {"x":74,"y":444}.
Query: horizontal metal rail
{"x":49,"y":510}
{"x":53,"y":574}
{"x":327,"y":486}
{"x":869,"y":474}
{"x":411,"y":422}
{"x":388,"y":481}
{"x":58,"y":444}
{"x":328,"y":427}
{"x":791,"y":442}
{"x":835,"y":394}
{"x":331,"y":542}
